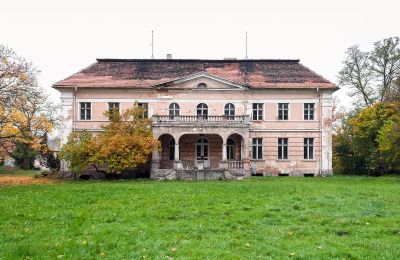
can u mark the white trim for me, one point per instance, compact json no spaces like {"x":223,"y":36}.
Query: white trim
{"x":284,"y":130}
{"x":133,"y":100}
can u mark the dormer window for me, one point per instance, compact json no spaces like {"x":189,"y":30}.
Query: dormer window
{"x":202,"y":85}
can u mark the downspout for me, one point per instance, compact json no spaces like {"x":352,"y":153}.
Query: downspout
{"x":74,"y":109}
{"x":320,"y":132}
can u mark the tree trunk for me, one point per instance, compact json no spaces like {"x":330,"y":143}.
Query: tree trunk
{"x":26,"y":163}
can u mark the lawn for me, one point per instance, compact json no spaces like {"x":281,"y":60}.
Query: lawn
{"x":282,"y":217}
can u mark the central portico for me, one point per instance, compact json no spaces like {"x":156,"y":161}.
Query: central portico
{"x":213,"y":145}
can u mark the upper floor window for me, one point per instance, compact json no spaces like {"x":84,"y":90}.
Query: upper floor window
{"x":202,"y":85}
{"x":230,"y":111}
{"x":202,"y":111}
{"x":309,"y":109}
{"x":113,"y":106}
{"x":283,"y":111}
{"x":282,"y":148}
{"x":85,"y":110}
{"x":145,"y":106}
{"x":174,"y":110}
{"x":258,"y":111}
{"x":308,"y":148}
{"x":256,"y":152}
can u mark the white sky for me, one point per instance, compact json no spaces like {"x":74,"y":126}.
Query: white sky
{"x":62,"y":37}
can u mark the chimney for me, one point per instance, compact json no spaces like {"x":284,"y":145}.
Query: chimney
{"x":169,"y":56}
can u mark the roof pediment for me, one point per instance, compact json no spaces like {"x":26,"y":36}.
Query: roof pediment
{"x":201,"y":80}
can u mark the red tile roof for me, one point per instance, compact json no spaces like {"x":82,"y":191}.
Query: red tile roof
{"x":146,"y":73}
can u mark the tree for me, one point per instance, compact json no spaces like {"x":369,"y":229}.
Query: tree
{"x":371,"y":75}
{"x":26,"y":116}
{"x":126,"y":142}
{"x":369,"y":140}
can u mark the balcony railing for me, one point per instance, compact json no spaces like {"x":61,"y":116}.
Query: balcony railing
{"x":203,"y":120}
{"x":235,"y":164}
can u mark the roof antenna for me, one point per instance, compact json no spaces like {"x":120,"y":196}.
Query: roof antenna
{"x":152,"y":45}
{"x":246,"y":47}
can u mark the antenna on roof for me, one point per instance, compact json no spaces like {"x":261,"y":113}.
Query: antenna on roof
{"x":152,"y":45}
{"x":246,"y":47}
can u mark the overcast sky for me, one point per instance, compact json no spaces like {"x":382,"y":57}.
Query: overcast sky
{"x":62,"y":37}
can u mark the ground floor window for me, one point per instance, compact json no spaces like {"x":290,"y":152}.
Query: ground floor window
{"x":172,"y":149}
{"x":308,"y":148}
{"x":257,"y":149}
{"x":282,"y":148}
{"x":230,"y":149}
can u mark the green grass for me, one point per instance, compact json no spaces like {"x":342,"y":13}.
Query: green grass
{"x":18,"y":171}
{"x":338,"y":217}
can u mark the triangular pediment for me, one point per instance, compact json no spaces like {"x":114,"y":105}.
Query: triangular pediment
{"x":197,"y":81}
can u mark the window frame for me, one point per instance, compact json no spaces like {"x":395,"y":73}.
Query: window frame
{"x":87,"y":111}
{"x":203,"y":107}
{"x":229,"y":111}
{"x":257,"y":112}
{"x":144,"y":105}
{"x":309,"y":111}
{"x":308,"y":151}
{"x":283,"y":148}
{"x":230,"y":149}
{"x":257,"y":149}
{"x":283,"y":112}
{"x":174,"y":110}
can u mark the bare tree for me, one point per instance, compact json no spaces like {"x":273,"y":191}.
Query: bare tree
{"x":371,"y":75}
{"x":357,"y":75}
{"x":385,"y":65}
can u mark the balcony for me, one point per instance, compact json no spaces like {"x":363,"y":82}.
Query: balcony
{"x":216,"y":121}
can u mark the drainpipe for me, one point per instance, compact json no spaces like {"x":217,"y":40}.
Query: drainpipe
{"x":74,"y":109}
{"x":320,"y":131}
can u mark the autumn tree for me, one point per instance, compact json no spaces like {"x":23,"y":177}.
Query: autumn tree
{"x":126,"y":142}
{"x":26,"y":116}
{"x":371,"y":75}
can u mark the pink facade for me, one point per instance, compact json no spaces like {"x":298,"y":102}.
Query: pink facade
{"x":214,"y":123}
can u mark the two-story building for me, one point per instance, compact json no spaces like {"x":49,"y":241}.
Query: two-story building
{"x":213,"y":117}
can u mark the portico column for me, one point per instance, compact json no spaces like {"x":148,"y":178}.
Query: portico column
{"x":246,"y":160}
{"x":223,"y":164}
{"x":155,"y":163}
{"x":177,"y":162}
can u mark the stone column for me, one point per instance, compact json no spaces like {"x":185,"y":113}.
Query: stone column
{"x":177,"y":161}
{"x":245,"y":158}
{"x":155,"y":163}
{"x":223,"y":164}
{"x":326,"y":132}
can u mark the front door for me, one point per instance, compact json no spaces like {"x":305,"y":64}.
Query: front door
{"x":202,"y":152}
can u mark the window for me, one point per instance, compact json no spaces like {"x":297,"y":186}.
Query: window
{"x":145,"y":106}
{"x":309,"y":111}
{"x":113,"y":106}
{"x":230,"y":111}
{"x":282,"y":148}
{"x":202,"y":111}
{"x":174,"y":110}
{"x":172,"y":149}
{"x":308,"y":148}
{"x":85,"y":110}
{"x":230,"y":149}
{"x":258,"y":111}
{"x":283,"y":111}
{"x":202,"y":85}
{"x":257,"y":149}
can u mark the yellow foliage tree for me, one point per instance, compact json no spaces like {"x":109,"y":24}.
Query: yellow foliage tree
{"x":126,"y":142}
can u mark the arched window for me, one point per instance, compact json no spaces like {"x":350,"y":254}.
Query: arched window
{"x":230,"y":111}
{"x":230,"y":149}
{"x":202,"y":85}
{"x":172,"y":149}
{"x":202,"y":111}
{"x":174,"y":110}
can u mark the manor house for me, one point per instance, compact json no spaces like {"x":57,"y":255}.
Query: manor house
{"x":213,"y":118}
